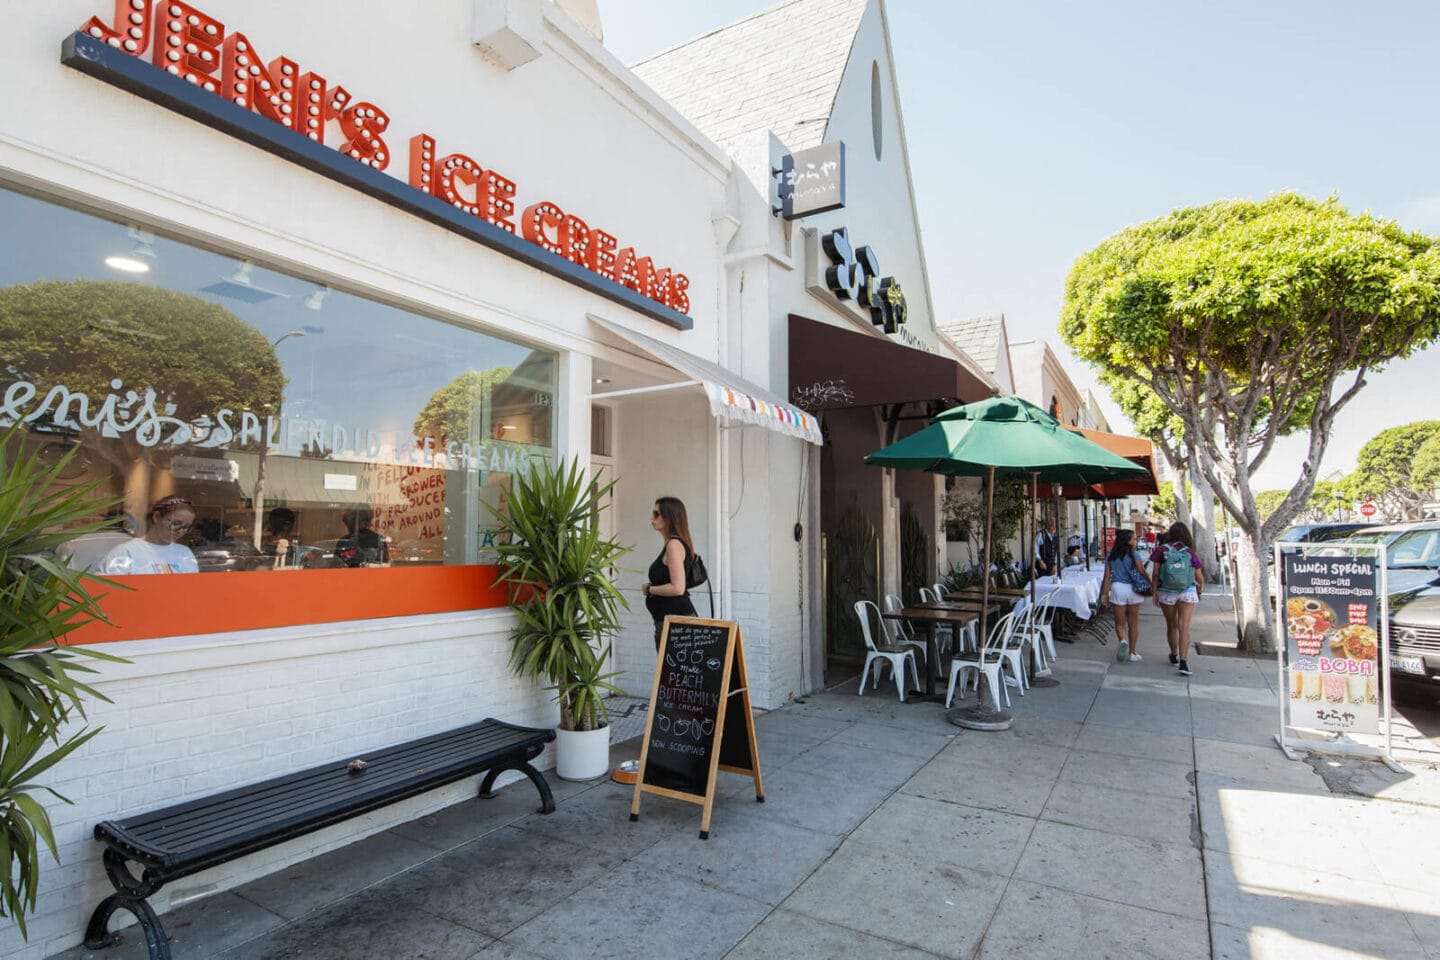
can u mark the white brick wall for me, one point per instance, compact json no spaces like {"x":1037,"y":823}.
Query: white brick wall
{"x":190,"y":716}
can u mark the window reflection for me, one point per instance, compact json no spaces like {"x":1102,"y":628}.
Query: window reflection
{"x":311,"y":428}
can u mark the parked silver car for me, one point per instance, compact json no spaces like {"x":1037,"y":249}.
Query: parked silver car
{"x":1413,"y":574}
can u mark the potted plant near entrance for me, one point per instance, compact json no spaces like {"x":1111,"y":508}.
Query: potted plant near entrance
{"x":42,"y":698}
{"x":557,"y":567}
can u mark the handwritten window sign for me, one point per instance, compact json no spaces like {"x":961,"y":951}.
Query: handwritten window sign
{"x":812,"y":181}
{"x":700,"y":718}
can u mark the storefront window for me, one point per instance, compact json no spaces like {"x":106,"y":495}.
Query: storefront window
{"x":306,"y":428}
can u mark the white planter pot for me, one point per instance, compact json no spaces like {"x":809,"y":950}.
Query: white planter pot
{"x":582,"y":754}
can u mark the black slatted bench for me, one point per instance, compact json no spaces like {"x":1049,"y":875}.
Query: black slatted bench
{"x":198,"y":834}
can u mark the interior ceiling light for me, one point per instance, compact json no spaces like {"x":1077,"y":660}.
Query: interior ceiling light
{"x":141,"y":255}
{"x":239,"y":286}
{"x":601,"y":381}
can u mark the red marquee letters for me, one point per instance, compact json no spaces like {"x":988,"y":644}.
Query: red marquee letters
{"x":190,"y":44}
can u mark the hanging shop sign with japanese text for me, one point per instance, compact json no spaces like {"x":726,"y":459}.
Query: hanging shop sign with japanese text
{"x":174,"y":54}
{"x":811,"y":181}
{"x":1332,"y":642}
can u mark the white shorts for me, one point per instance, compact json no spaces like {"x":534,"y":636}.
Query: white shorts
{"x":1188,"y":595}
{"x":1123,"y":595}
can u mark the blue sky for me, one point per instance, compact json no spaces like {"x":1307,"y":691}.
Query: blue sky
{"x":1037,"y":129}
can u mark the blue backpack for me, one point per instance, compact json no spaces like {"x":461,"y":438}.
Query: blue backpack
{"x":1176,"y":573}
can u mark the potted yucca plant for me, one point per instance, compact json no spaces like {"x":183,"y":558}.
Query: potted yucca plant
{"x":41,"y":600}
{"x":558,"y":567}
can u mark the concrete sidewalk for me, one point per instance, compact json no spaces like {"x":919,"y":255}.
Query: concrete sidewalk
{"x":1129,"y":812}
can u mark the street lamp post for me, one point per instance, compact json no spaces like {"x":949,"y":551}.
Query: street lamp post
{"x":258,"y":497}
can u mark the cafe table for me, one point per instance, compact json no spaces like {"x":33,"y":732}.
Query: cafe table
{"x":1090,"y":583}
{"x":1074,"y":597}
{"x":973,"y":595}
{"x":967,"y":593}
{"x":929,"y":617}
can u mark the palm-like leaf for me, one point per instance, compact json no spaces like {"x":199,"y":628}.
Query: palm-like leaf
{"x":41,"y":601}
{"x":557,"y":568}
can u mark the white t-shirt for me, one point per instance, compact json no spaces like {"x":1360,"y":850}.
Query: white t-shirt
{"x":141,"y":556}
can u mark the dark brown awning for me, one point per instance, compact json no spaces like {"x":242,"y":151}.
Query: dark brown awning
{"x":832,"y":368}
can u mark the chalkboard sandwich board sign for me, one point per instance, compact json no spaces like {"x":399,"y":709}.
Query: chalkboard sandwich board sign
{"x":700,"y":717}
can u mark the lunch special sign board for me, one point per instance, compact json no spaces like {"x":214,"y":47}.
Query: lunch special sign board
{"x":176,"y":55}
{"x":1334,"y":675}
{"x":700,"y":719}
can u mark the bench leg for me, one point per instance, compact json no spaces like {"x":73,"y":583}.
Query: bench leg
{"x":130,"y":895}
{"x":547,"y":799}
{"x":98,"y":937}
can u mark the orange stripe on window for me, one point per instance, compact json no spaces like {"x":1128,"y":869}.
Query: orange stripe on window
{"x":171,"y":605}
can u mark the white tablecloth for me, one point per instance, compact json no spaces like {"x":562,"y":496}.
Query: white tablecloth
{"x":1070,"y":596}
{"x":1088,"y":585}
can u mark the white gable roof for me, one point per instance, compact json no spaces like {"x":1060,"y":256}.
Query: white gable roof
{"x":777,"y":70}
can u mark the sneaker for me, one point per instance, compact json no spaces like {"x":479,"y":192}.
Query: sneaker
{"x":1123,"y":652}
{"x":1135,"y":658}
{"x":1174,"y":659}
{"x":1184,"y":669}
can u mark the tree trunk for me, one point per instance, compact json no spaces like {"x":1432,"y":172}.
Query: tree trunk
{"x":1178,"y":468}
{"x":1203,"y":526}
{"x":1182,"y":509}
{"x":1252,"y":589}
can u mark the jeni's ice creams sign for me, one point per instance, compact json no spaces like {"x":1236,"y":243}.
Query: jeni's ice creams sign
{"x":192,"y":46}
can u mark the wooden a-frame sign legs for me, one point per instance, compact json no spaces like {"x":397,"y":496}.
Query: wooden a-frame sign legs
{"x":700,"y":719}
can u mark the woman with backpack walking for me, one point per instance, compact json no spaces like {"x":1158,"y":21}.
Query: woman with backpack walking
{"x":1179,"y":582}
{"x":1124,"y":587}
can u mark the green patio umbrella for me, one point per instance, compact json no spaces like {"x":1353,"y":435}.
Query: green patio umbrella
{"x":1003,"y":436}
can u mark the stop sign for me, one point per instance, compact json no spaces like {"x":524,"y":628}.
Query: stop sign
{"x":1367,"y":509}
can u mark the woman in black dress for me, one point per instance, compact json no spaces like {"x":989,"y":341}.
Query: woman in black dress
{"x":666,"y":594}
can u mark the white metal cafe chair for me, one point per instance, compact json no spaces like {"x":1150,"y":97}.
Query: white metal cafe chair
{"x":988,"y":662}
{"x":944,"y":635}
{"x":1014,"y":652}
{"x":966,"y":634}
{"x":1036,"y":622}
{"x":878,"y":654}
{"x":901,"y":633}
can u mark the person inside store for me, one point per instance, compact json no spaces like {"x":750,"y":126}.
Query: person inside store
{"x":374,"y":548}
{"x":1046,"y":551}
{"x":278,"y":540}
{"x":665,"y":592}
{"x":157,"y":552}
{"x":1123,"y":572}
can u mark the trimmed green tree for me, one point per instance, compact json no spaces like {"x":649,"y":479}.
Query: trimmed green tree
{"x":1250,"y":320}
{"x":1425,"y":473}
{"x":1268,"y":501}
{"x":196,"y":356}
{"x":1157,"y":423}
{"x":1387,"y":465}
{"x":460,"y":410}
